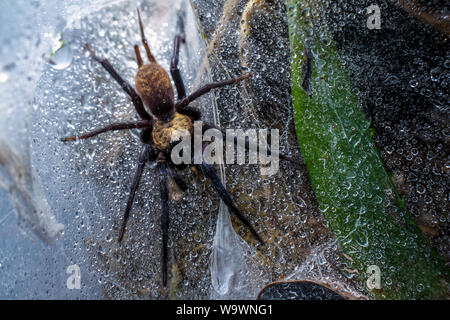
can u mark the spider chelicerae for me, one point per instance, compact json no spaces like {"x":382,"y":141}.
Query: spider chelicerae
{"x":161,"y":117}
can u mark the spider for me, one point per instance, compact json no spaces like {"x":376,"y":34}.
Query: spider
{"x":160,"y":117}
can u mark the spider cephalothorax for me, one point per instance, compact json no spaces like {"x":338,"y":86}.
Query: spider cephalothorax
{"x":164,"y":133}
{"x":163,"y":119}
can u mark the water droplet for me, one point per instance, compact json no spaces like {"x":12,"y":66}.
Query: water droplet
{"x":4,"y":76}
{"x":62,"y":58}
{"x":413,"y":83}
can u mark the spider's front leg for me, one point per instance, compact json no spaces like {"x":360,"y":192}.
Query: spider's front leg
{"x":139,"y":106}
{"x":147,"y":154}
{"x":174,"y":71}
{"x":164,"y":192}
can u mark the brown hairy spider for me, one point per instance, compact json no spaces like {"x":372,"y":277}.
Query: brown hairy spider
{"x":161,"y":116}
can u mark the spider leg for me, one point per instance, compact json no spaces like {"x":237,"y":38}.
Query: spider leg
{"x":138,"y":56}
{"x":144,"y":40}
{"x":210,"y":172}
{"x":247,"y":145}
{"x":174,"y":71}
{"x":146,"y":154}
{"x":124,"y":84}
{"x":192,"y":112}
{"x":176,"y":177}
{"x":205,"y":89}
{"x":111,"y":127}
{"x":164,"y":191}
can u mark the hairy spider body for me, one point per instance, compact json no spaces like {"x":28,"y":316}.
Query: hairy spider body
{"x":155,"y":89}
{"x":162,"y":120}
{"x":165,"y":133}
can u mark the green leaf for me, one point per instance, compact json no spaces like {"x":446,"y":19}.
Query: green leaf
{"x":354,"y":191}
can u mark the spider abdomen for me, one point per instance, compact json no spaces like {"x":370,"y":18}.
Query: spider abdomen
{"x":164,"y":133}
{"x":155,"y":89}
